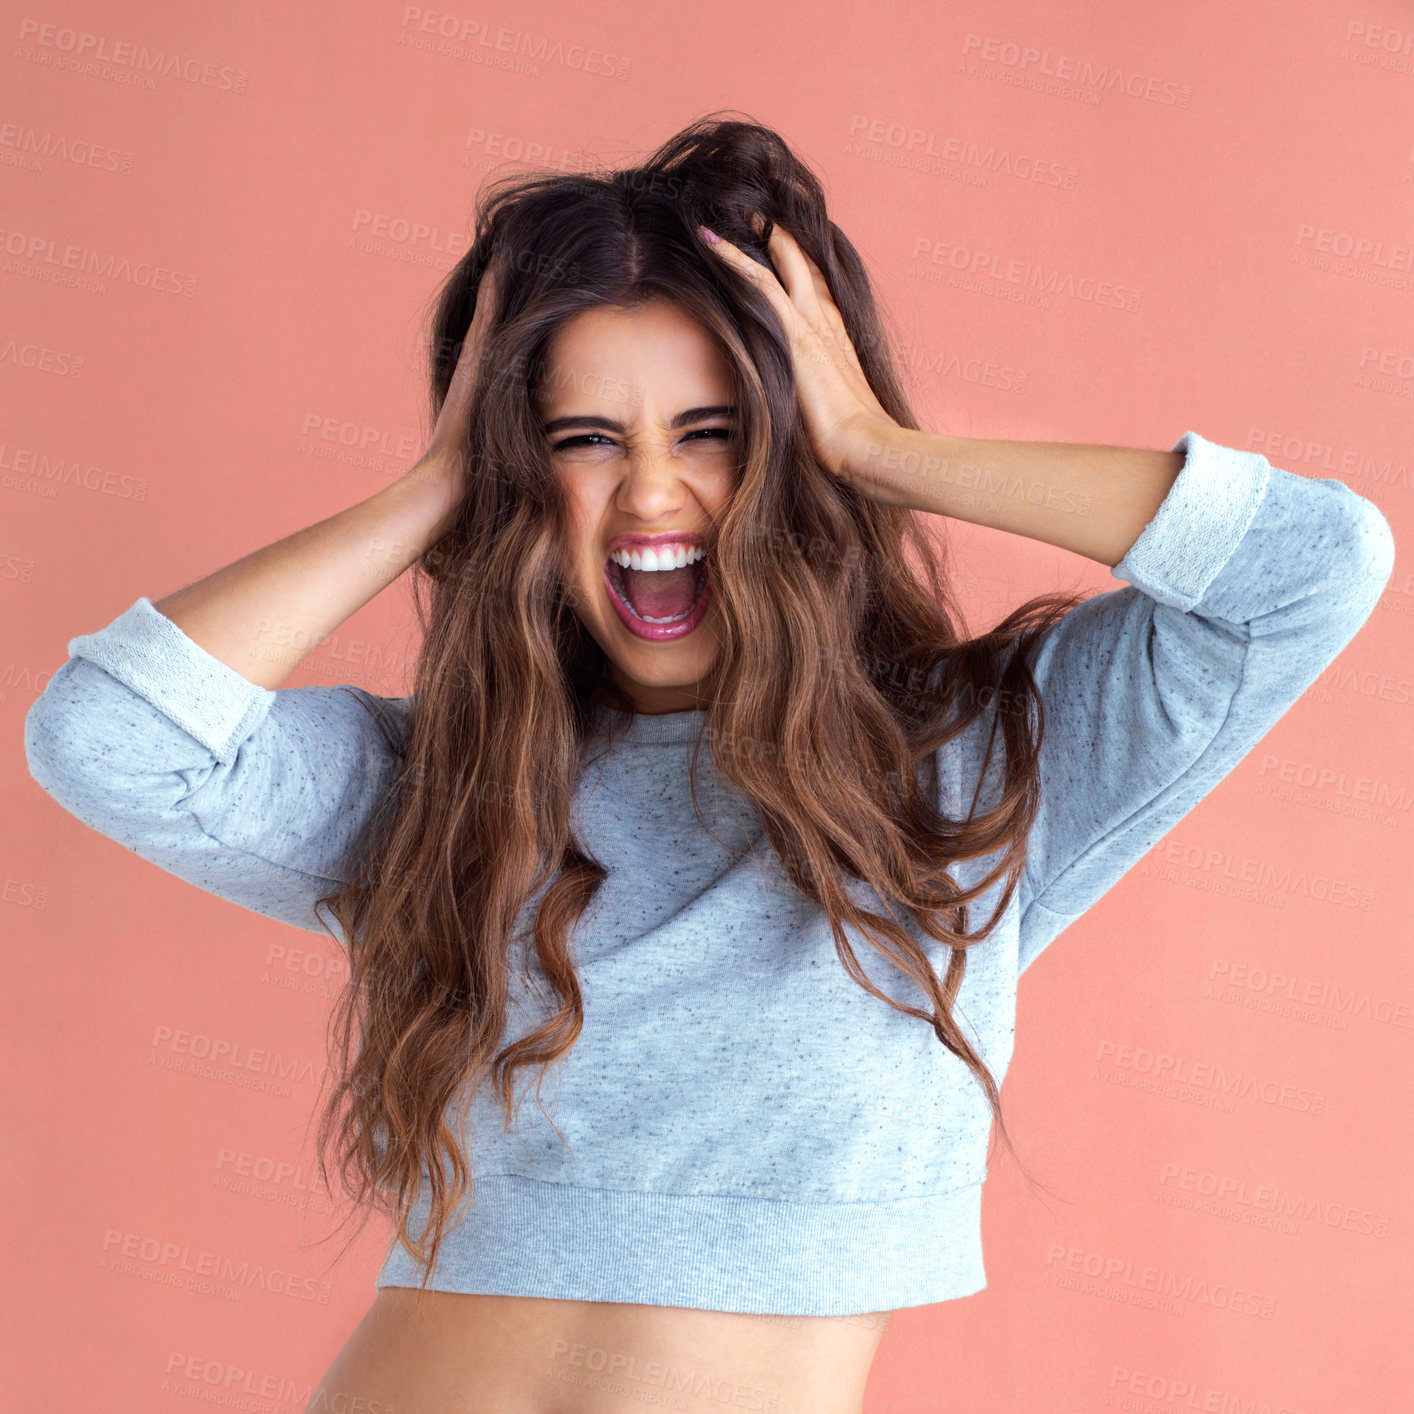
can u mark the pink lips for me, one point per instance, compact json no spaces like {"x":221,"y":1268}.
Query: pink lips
{"x":640,"y":627}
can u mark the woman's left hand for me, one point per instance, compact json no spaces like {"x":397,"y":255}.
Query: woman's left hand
{"x":844,"y":419}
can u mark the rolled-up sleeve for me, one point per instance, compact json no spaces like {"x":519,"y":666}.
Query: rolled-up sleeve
{"x":253,"y":794}
{"x":1241,"y":590}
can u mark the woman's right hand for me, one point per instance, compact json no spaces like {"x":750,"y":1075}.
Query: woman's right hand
{"x":443,"y":465}
{"x":262,"y":613}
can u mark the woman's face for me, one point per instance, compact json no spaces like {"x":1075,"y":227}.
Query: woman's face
{"x":636,"y":407}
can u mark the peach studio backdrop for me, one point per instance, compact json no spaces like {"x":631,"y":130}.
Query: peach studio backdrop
{"x":1093,"y":223}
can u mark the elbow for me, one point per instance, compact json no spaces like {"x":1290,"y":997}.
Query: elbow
{"x":1371,"y":557}
{"x":67,"y":743}
{"x":52,"y":751}
{"x":1359,"y":566}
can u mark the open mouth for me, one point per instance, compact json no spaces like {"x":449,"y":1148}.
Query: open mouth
{"x":658,"y":604}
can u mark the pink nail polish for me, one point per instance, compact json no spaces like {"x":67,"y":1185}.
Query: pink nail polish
{"x":710,"y":236}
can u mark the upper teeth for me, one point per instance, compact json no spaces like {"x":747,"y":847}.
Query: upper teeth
{"x":658,"y":557}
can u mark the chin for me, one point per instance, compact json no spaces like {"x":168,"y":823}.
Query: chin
{"x":662,"y":667}
{"x":665,"y":666}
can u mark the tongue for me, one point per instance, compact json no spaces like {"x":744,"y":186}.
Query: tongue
{"x":661,"y":594}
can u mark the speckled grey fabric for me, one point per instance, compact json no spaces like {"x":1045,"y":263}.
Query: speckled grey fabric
{"x":744,"y":1127}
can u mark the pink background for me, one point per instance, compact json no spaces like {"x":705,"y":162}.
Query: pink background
{"x":1219,"y":200}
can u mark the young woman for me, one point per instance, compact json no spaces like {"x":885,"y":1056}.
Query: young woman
{"x":689,"y":727}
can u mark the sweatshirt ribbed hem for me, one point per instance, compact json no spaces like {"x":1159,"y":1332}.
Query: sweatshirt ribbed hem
{"x":765,"y":1256}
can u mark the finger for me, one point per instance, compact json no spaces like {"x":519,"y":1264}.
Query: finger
{"x":456,"y":407}
{"x":797,"y":273}
{"x":760,"y":275}
{"x":486,"y":302}
{"x":824,"y":302}
{"x":458,"y":399}
{"x":819,"y":307}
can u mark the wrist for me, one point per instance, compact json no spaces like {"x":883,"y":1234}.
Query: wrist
{"x":407,"y":517}
{"x":427,"y":496}
{"x":903,"y":466}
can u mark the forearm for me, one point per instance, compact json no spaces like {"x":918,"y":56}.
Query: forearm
{"x":1093,"y":500}
{"x":264,"y":612}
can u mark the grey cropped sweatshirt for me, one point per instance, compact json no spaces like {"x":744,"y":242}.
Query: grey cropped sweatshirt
{"x":744,"y":1127}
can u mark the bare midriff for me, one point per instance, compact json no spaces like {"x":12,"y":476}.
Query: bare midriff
{"x":447,"y":1353}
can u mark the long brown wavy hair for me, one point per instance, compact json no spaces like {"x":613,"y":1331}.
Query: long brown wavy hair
{"x":841,"y":669}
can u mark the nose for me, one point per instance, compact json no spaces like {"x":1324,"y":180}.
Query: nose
{"x":651,"y":487}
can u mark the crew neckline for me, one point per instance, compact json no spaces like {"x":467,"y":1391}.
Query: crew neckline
{"x":657,"y":726}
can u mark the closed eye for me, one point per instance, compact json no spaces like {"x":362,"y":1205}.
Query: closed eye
{"x":592,"y":438}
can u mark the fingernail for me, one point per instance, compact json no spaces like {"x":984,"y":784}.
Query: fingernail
{"x":708,"y":235}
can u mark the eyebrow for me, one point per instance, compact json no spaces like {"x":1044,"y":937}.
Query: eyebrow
{"x":607,"y":424}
